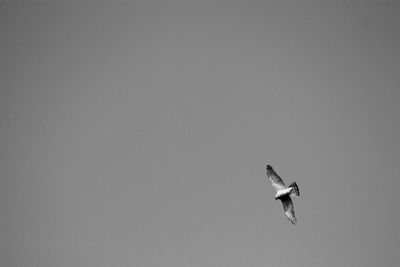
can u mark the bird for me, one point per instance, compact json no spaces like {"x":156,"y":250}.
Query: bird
{"x":283,"y":193}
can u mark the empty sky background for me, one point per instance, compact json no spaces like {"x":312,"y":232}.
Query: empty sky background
{"x":137,"y":134}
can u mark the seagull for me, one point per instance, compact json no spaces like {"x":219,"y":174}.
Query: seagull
{"x":283,"y":193}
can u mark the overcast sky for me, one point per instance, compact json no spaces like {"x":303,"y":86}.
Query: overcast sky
{"x":137,"y":134}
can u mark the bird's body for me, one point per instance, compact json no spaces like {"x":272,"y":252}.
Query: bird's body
{"x":283,"y":193}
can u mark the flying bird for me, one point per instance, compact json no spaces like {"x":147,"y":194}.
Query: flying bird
{"x":283,"y":193}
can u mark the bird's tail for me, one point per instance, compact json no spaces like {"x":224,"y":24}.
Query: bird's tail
{"x":295,"y":191}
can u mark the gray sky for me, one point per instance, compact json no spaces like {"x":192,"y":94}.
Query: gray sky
{"x":138,"y":134}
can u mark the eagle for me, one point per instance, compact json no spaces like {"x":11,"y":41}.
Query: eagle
{"x":283,"y":193}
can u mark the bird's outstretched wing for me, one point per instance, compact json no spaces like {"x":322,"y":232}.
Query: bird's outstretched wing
{"x":289,"y":209}
{"x":274,"y":178}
